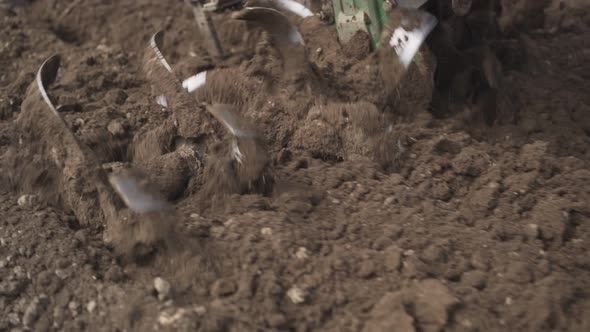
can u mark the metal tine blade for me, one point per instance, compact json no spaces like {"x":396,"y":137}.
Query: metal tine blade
{"x":168,"y":87}
{"x":290,"y":6}
{"x":46,"y":75}
{"x":232,"y":120}
{"x":194,"y":82}
{"x":138,"y":193}
{"x":410,"y":34}
{"x":79,"y":165}
{"x":284,"y":34}
{"x":207,"y":28}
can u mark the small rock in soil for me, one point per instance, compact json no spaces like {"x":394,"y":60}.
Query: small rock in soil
{"x":531,"y":231}
{"x":302,"y":253}
{"x":367,"y":269}
{"x":267,"y":231}
{"x":475,"y":279}
{"x":296,"y":295}
{"x":162,"y":287}
{"x":91,"y":306}
{"x":13,"y":319}
{"x":74,"y":307}
{"x":116,"y":128}
{"x":223,"y":287}
{"x":26,"y":200}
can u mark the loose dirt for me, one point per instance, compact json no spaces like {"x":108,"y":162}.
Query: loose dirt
{"x":378,"y":211}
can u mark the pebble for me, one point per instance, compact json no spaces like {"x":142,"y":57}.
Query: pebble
{"x":296,"y":295}
{"x":13,"y":318}
{"x":389,"y":200}
{"x":302,"y":253}
{"x":73,"y":306}
{"x":26,"y":200}
{"x":62,"y":274}
{"x":532,"y":231}
{"x":266,"y":231}
{"x":200,"y":310}
{"x":19,"y":272}
{"x":91,"y":306}
{"x":162,"y":287}
{"x":167,"y":319}
{"x":116,"y":128}
{"x":476,"y":279}
{"x":78,"y":123}
{"x":367,"y":269}
{"x":223,"y":287}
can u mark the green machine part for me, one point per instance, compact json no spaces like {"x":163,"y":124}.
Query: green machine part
{"x":365,"y":15}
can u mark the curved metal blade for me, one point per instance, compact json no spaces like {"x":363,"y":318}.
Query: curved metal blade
{"x":156,"y":44}
{"x":138,"y":193}
{"x":168,"y":88}
{"x":194,"y":82}
{"x":411,"y":32}
{"x":232,"y":121}
{"x":290,"y":6}
{"x":46,"y":75}
{"x":79,"y":167}
{"x":284,"y":34}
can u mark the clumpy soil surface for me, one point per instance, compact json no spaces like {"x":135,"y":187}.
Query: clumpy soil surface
{"x":441,"y":224}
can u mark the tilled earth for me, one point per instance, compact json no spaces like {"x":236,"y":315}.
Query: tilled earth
{"x":458,"y":226}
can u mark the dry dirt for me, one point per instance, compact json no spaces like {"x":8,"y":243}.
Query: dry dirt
{"x":381,"y":217}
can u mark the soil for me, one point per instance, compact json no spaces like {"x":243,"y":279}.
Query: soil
{"x":371,"y":211}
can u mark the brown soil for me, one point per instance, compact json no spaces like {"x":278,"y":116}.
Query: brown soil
{"x":370,"y":213}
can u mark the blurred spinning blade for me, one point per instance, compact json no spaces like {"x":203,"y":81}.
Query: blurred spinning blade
{"x":247,"y":147}
{"x":290,"y":6}
{"x":410,"y":33}
{"x":46,"y":75}
{"x":207,"y":29}
{"x":168,"y":88}
{"x":138,"y":193}
{"x":231,"y":120}
{"x":284,"y":34}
